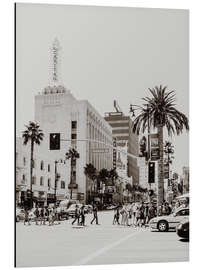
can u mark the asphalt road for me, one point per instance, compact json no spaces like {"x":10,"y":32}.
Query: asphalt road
{"x":65,"y":244}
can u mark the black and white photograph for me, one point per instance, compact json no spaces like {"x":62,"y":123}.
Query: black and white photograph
{"x":102,"y":170}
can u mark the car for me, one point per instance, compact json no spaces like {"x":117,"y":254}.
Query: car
{"x":71,"y":210}
{"x":165,"y":223}
{"x":88,"y":208}
{"x":20,"y":214}
{"x":182,"y":229}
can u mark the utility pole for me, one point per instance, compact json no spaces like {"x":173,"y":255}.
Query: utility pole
{"x":56,"y":178}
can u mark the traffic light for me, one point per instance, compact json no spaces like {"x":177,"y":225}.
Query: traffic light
{"x":151,"y":192}
{"x":54,"y":141}
{"x":151,"y":172}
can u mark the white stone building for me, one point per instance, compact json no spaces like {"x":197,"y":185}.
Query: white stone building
{"x":57,"y":111}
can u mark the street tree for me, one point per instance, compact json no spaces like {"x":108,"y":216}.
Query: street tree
{"x":34,"y":135}
{"x":73,"y":155}
{"x":161,"y":112}
{"x":90,"y":171}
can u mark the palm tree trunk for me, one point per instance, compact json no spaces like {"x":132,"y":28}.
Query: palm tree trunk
{"x":31,"y":171}
{"x":160,"y":198}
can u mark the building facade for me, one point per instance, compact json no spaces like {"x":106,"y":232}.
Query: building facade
{"x":78,"y":125}
{"x":122,"y":131}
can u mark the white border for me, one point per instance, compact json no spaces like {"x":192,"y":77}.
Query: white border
{"x":7,"y":135}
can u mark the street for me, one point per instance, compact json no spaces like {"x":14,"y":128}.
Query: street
{"x":65,"y":244}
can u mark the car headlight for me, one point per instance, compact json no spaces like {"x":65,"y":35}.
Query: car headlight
{"x":179,"y":227}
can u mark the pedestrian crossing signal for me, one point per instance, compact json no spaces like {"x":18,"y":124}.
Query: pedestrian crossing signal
{"x":54,"y":141}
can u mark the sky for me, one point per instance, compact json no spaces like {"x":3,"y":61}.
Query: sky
{"x":106,"y":53}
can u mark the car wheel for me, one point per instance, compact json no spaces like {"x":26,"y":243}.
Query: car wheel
{"x":163,"y":226}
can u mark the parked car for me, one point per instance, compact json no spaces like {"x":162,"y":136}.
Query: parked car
{"x":165,"y":223}
{"x":182,"y":229}
{"x":20,"y":214}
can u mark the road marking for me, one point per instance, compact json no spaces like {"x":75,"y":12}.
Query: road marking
{"x":105,"y":249}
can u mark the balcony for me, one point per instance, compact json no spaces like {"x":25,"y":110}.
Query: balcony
{"x":73,"y":186}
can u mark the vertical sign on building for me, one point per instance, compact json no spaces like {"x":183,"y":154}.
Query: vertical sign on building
{"x":154,"y":147}
{"x":114,"y":153}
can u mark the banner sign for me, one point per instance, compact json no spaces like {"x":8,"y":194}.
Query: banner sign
{"x":154,"y":142}
{"x":114,"y":153}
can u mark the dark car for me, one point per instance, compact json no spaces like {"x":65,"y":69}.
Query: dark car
{"x":183,"y":228}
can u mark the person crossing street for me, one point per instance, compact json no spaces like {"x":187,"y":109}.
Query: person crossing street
{"x":95,"y":216}
{"x":77,"y":215}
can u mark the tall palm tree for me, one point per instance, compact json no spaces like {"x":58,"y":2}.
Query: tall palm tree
{"x":90,"y":172}
{"x":34,"y":135}
{"x":73,"y":155}
{"x":161,"y":112}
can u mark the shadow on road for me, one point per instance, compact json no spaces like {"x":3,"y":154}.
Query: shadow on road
{"x":184,"y":240}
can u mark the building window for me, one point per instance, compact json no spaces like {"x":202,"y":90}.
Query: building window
{"x":42,"y":165}
{"x":73,"y":136}
{"x":49,"y":182}
{"x":74,"y":125}
{"x":24,"y":161}
{"x":48,"y":167}
{"x":34,"y":180}
{"x":62,"y":184}
{"x":33,"y":164}
{"x":41,"y":181}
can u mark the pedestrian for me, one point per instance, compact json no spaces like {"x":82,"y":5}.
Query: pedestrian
{"x":116,"y":215}
{"x":82,"y":215}
{"x":42,"y":216}
{"x":133,"y":209}
{"x":26,"y":218}
{"x":77,"y":215}
{"x":129,"y":209}
{"x":151,"y":212}
{"x":146,"y":214}
{"x":36,"y":215}
{"x":137,"y":215}
{"x":95,"y":216}
{"x":142,"y":209}
{"x":125,"y":215}
{"x":50,"y":217}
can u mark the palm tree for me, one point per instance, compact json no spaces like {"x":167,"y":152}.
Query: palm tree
{"x":113,"y":175}
{"x":34,"y":135}
{"x":73,"y":155}
{"x":90,"y":171}
{"x":161,"y":112}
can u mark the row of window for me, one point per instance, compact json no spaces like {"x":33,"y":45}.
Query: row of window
{"x":48,"y":182}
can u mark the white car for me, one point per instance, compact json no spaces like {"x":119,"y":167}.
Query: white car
{"x":165,"y":223}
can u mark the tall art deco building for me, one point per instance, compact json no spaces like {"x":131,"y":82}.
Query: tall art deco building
{"x":74,"y":123}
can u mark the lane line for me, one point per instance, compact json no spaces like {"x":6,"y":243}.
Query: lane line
{"x":105,"y":249}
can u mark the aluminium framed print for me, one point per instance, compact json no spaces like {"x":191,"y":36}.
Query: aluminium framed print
{"x":102,"y":135}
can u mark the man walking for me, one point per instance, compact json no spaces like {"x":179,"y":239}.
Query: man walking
{"x":95,"y":217}
{"x":77,"y":215}
{"x":82,"y":214}
{"x":36,"y":215}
